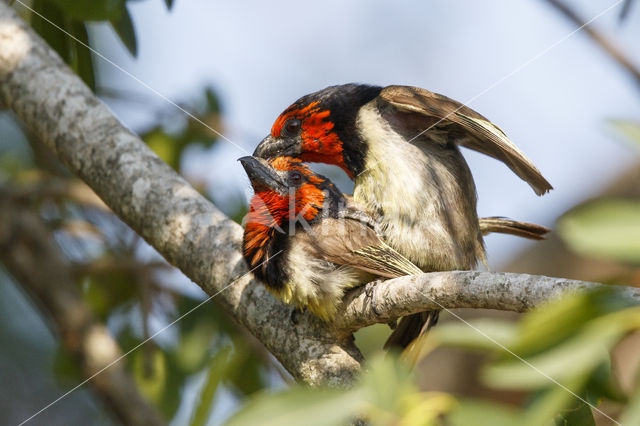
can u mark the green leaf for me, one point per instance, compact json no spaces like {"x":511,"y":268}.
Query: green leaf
{"x":150,"y":372}
{"x":386,"y":382}
{"x":165,"y":146}
{"x":66,"y":368}
{"x":58,"y":40}
{"x":569,"y":361}
{"x":195,"y":347}
{"x":172,"y":395}
{"x":560,"y":365}
{"x":217,"y":370}
{"x":580,"y":415}
{"x":603,"y":385}
{"x":169,"y":4}
{"x":461,"y":335}
{"x":77,"y":56}
{"x":480,"y":413}
{"x":631,"y":416}
{"x":417,"y":409}
{"x":549,"y":403}
{"x":300,"y":406}
{"x":82,"y":62}
{"x":608,"y":229}
{"x":94,"y":10}
{"x":561,"y":318}
{"x":369,"y":339}
{"x":108,"y":289}
{"x":213,"y":102}
{"x":630,"y":129}
{"x":123,"y":26}
{"x":245,"y":368}
{"x":154,"y":371}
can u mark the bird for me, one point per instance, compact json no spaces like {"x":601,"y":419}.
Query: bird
{"x":400,"y":145}
{"x":307,"y":241}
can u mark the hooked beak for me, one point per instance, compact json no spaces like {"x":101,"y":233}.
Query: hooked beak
{"x":270,"y":147}
{"x":262,"y":176}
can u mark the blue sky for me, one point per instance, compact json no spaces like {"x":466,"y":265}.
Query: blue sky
{"x":261,"y":56}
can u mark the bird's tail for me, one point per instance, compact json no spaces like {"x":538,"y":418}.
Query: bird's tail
{"x":504,"y":225}
{"x":410,"y":328}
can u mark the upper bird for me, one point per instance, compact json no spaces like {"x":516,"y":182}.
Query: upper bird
{"x":400,"y":145}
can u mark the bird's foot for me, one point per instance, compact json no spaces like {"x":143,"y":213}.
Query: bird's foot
{"x":370,"y":291}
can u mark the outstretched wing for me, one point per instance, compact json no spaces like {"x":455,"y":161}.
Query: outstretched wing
{"x":469,"y":128}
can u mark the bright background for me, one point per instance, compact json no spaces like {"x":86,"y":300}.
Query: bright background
{"x":512,"y":61}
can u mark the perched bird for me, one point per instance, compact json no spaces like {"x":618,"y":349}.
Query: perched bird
{"x":307,"y":241}
{"x":400,"y":145}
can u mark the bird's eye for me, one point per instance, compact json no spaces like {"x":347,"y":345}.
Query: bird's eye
{"x":292,"y":127}
{"x":296,"y":177}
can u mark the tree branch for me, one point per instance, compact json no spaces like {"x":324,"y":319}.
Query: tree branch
{"x":457,"y":289}
{"x":157,"y":203}
{"x":30,"y":255}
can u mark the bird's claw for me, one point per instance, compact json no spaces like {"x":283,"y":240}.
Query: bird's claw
{"x":370,"y":291}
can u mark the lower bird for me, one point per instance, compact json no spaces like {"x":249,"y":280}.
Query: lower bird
{"x":309,"y":243}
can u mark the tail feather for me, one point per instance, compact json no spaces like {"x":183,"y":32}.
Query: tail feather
{"x":410,"y":328}
{"x":503,"y":225}
{"x":489,"y":139}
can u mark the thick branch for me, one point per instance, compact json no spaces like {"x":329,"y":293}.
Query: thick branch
{"x":157,"y":203}
{"x":30,"y":255}
{"x":458,"y":289}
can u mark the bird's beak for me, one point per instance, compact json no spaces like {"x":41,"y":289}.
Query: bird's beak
{"x":262,"y":176}
{"x":271,"y":147}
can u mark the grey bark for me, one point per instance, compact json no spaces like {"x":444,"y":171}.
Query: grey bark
{"x":458,"y":289}
{"x":197,"y":238}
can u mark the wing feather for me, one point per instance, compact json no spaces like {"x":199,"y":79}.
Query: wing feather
{"x":478,"y":133}
{"x":355,"y":243}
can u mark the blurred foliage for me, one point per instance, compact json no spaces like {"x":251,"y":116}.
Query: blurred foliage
{"x":385,"y":395}
{"x":123,"y":281}
{"x":630,"y":130}
{"x":558,"y":355}
{"x":170,"y":144}
{"x":607,"y":228}
{"x":604,"y":228}
{"x":63,"y":24}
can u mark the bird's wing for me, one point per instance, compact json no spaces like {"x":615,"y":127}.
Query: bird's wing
{"x":504,"y":225}
{"x":469,"y":128}
{"x":354,"y":243}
